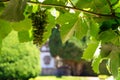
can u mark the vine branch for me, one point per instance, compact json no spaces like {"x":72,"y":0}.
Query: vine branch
{"x":85,"y":11}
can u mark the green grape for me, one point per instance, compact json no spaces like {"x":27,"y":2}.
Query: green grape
{"x":39,"y":21}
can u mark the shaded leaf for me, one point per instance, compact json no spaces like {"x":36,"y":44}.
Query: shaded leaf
{"x":14,"y":10}
{"x":57,"y":2}
{"x":100,"y":6}
{"x":0,"y":44}
{"x":107,"y":35}
{"x":114,"y":61}
{"x":116,"y":40}
{"x":83,"y":3}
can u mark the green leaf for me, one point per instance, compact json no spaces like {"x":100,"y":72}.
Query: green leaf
{"x":5,"y":28}
{"x":14,"y":10}
{"x":117,"y":6}
{"x":116,"y":40}
{"x":0,"y":44}
{"x":74,"y":1}
{"x":90,"y":50}
{"x":26,"y":24}
{"x":106,"y":36}
{"x":94,"y":28}
{"x":68,"y":23}
{"x":114,"y":61}
{"x":11,"y":39}
{"x":83,"y":3}
{"x":81,"y":28}
{"x":95,"y":64}
{"x":57,"y":2}
{"x":100,"y":6}
{"x":48,"y":28}
{"x":24,"y":36}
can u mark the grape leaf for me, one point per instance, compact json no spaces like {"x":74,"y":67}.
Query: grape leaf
{"x":94,"y":28}
{"x":83,"y":3}
{"x":26,"y":24}
{"x":81,"y":28}
{"x":24,"y":36}
{"x":67,"y":22}
{"x":48,"y":28}
{"x":5,"y":28}
{"x":74,"y":1}
{"x":56,"y":2}
{"x":0,"y":44}
{"x":107,"y":35}
{"x":114,"y":61}
{"x":116,"y":40}
{"x":14,"y":10}
{"x":116,"y":6}
{"x":90,"y":50}
{"x":95,"y":64}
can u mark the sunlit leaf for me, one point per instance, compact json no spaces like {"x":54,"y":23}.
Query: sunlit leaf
{"x":94,"y":28}
{"x":81,"y":28}
{"x":24,"y":36}
{"x":67,"y":22}
{"x":48,"y":28}
{"x":95,"y":64}
{"x":5,"y":28}
{"x":90,"y":50}
{"x":26,"y":24}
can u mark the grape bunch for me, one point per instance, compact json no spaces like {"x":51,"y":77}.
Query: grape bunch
{"x":39,"y":21}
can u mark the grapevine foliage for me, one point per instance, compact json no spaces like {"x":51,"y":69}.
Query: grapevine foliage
{"x":39,"y":21}
{"x":98,"y":19}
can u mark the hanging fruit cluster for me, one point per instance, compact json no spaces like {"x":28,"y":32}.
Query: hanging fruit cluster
{"x":39,"y":21}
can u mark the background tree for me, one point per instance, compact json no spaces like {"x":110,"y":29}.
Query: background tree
{"x":19,"y":61}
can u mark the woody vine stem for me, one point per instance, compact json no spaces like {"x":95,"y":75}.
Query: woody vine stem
{"x":111,"y":15}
